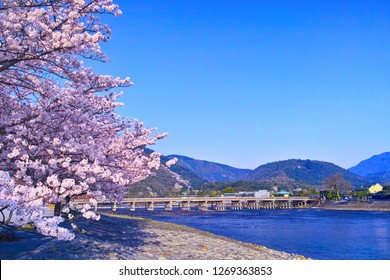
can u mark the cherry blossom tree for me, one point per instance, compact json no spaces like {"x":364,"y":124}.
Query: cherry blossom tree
{"x":60,"y":135}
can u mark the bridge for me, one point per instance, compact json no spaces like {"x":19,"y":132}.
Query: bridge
{"x":213,"y":203}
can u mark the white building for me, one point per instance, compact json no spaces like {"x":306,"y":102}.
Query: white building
{"x":262,"y":193}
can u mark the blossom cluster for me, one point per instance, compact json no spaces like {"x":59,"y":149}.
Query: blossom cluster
{"x":171,"y":162}
{"x":60,"y":137}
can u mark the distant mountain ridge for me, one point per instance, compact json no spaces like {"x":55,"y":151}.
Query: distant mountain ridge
{"x":375,"y":164}
{"x":185,"y":171}
{"x":308,"y":172}
{"x":164,"y":181}
{"x":381,"y":177}
{"x":292,"y":171}
{"x":210,"y":171}
{"x":375,"y":168}
{"x":189,"y":172}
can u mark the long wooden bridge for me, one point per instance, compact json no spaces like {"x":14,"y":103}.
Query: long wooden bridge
{"x":213,"y":203}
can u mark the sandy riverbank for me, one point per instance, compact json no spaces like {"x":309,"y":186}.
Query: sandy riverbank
{"x":127,"y":238}
{"x":376,"y":205}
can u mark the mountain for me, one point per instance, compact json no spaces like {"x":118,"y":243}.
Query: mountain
{"x":378,"y":164}
{"x":308,"y":172}
{"x":164,"y":181}
{"x":198,"y":174}
{"x":207,"y":170}
{"x":380,"y":177}
{"x":185,"y":171}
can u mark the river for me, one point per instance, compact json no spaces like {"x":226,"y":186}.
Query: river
{"x":314,"y":233}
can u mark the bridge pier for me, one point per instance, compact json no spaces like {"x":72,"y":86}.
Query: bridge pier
{"x":253,"y":205}
{"x":132,"y":206}
{"x":284,"y":204}
{"x":113,"y":206}
{"x":204,"y":206}
{"x":220,"y":206}
{"x":150,"y":206}
{"x":237,"y":205}
{"x":185,"y":206}
{"x":271,"y":204}
{"x":168,"y":206}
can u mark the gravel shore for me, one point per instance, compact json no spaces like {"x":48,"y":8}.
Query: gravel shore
{"x":120,"y":237}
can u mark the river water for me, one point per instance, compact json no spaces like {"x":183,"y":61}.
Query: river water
{"x":314,"y":233}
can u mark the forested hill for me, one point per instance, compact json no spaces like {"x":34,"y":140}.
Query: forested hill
{"x":185,"y":171}
{"x":376,"y":168}
{"x":309,"y":172}
{"x":210,"y":171}
{"x":195,"y":173}
{"x":166,"y":181}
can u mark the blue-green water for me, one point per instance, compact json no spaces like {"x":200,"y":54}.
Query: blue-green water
{"x":314,"y":233}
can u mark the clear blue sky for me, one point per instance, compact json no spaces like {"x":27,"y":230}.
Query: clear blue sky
{"x":249,"y":82}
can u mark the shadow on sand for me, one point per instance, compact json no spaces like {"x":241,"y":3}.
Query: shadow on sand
{"x":95,"y":240}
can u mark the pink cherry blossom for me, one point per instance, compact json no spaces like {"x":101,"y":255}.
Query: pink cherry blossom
{"x":171,"y":162}
{"x":60,"y":135}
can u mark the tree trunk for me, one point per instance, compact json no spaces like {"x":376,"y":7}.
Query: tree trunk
{"x":57,"y":209}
